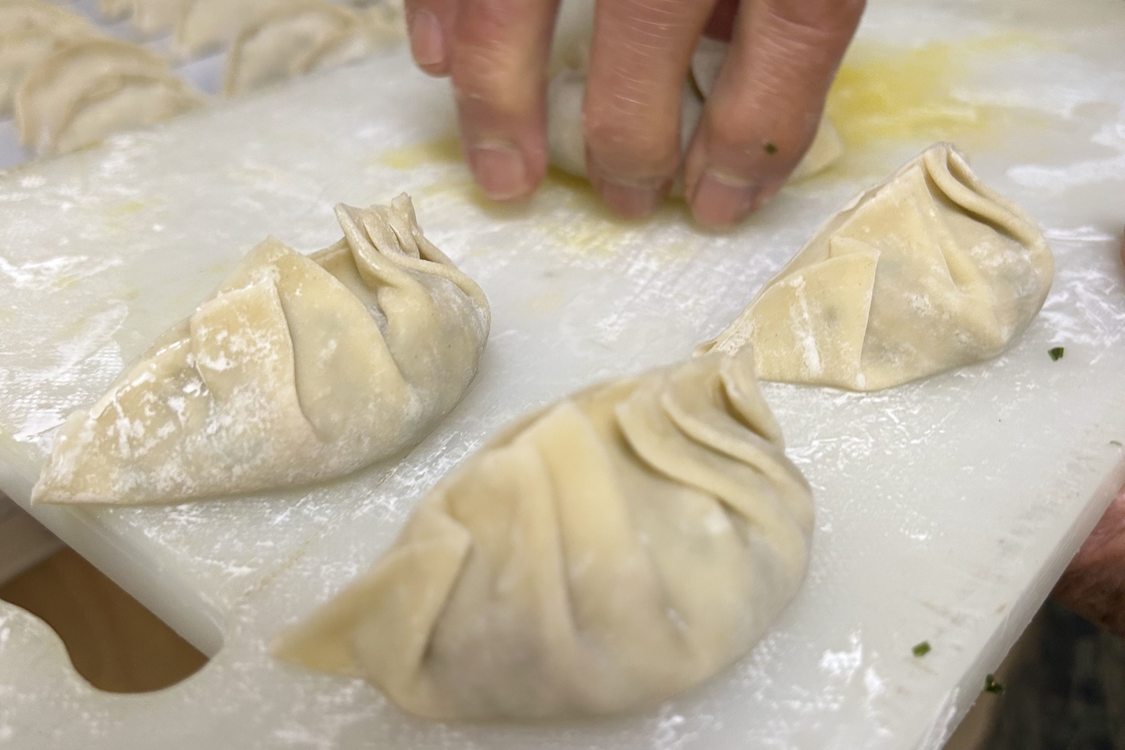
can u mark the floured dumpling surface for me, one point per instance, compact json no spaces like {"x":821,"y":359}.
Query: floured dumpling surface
{"x":299,"y":369}
{"x":928,"y":271}
{"x":30,"y":30}
{"x":566,"y":91}
{"x":294,"y":40}
{"x":600,"y":556}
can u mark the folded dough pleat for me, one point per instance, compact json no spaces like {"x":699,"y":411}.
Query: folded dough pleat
{"x":293,"y":40}
{"x":30,"y":30}
{"x":120,"y":103}
{"x":928,"y":271}
{"x":298,"y":369}
{"x":622,"y":545}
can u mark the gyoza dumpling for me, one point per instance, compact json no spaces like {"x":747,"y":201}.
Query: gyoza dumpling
{"x":30,"y":30}
{"x":385,"y":20}
{"x":50,"y":91}
{"x":566,"y":141}
{"x":928,"y":271}
{"x":299,"y":369}
{"x":155,"y":16}
{"x":288,"y":42}
{"x":115,"y":9}
{"x":121,"y":103}
{"x":600,"y":556}
{"x":206,"y":25}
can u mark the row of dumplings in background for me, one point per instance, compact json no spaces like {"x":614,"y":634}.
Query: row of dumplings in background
{"x":502,"y":597}
{"x":266,"y":40}
{"x":70,"y":85}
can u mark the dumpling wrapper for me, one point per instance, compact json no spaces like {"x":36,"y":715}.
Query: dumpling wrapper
{"x":289,"y":42}
{"x":600,"y":556}
{"x":299,"y":369}
{"x":157,"y":16}
{"x":49,"y":94}
{"x":30,"y":30}
{"x":207,"y":25}
{"x":115,"y":9}
{"x":566,"y":91}
{"x":119,"y":104}
{"x":928,"y":271}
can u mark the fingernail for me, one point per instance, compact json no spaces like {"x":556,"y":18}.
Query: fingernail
{"x":427,"y":43}
{"x":500,"y":170}
{"x":630,"y":201}
{"x":720,"y":200}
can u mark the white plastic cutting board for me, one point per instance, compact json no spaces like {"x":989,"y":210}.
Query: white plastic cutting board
{"x":946,"y":508}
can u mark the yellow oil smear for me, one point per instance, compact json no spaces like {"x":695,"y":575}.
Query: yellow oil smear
{"x":125,"y":208}
{"x":884,"y":92}
{"x":588,"y":228}
{"x":440,"y":151}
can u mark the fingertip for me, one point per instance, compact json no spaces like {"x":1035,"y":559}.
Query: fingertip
{"x":501,"y":170}
{"x":721,"y":200}
{"x":630,"y":201}
{"x":428,"y":43}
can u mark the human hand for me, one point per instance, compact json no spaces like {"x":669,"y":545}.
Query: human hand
{"x":758,"y":122}
{"x":1094,"y":582}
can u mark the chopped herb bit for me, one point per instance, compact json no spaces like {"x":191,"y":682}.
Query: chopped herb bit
{"x":1116,"y":443}
{"x":1056,"y":353}
{"x":992,"y":686}
{"x":770,"y":148}
{"x":921,"y":649}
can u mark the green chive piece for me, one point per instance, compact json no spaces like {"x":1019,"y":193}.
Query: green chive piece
{"x":921,"y":649}
{"x":1056,"y":353}
{"x":770,"y":148}
{"x":992,"y":686}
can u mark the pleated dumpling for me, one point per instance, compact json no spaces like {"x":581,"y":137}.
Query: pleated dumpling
{"x":566,"y":92}
{"x":156,"y":16}
{"x":300,"y":368}
{"x":92,"y":88}
{"x":120,"y":103}
{"x":602,"y":555}
{"x":30,"y":30}
{"x":208,"y":25}
{"x":293,"y":40}
{"x":928,"y":271}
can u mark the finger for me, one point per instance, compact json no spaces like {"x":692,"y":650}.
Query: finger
{"x":1094,"y":582}
{"x":638,"y":64}
{"x":499,"y":70}
{"x":721,"y":24}
{"x":429,"y":25}
{"x":764,"y":109}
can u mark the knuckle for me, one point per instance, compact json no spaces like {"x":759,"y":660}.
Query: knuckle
{"x":483,"y":75}
{"x":630,"y":149}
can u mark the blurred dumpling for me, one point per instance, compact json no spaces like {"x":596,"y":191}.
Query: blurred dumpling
{"x":299,"y":369}
{"x":928,"y":271}
{"x":30,"y":30}
{"x":600,"y":556}
{"x":566,"y":142}
{"x":208,"y":25}
{"x":120,"y":103}
{"x":51,"y":91}
{"x":291,"y":40}
{"x":156,"y":16}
